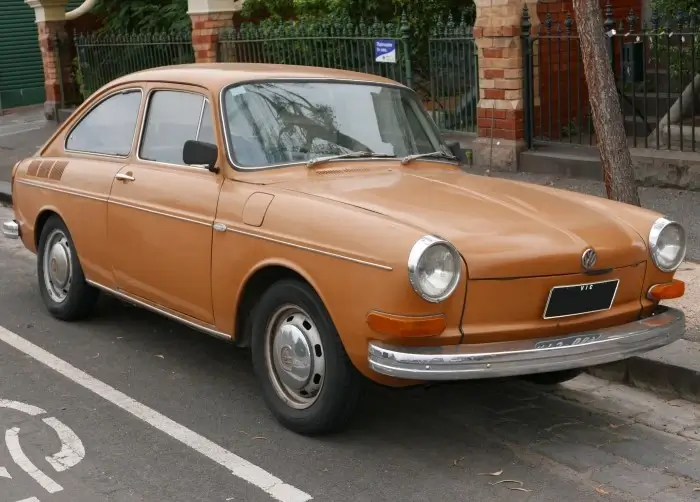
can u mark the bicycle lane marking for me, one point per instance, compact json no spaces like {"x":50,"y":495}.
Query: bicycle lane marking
{"x":238,"y":466}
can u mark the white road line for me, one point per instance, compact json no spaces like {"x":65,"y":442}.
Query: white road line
{"x":24,"y":408}
{"x":72,"y":449}
{"x":31,"y":499}
{"x":13,"y":446}
{"x":238,"y":466}
{"x":4,"y":473}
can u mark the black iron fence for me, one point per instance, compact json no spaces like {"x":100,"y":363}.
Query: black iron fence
{"x":102,"y":57}
{"x":441,"y":67}
{"x":447,"y":80}
{"x":655,"y":64}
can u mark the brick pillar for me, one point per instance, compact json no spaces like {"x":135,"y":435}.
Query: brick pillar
{"x":209,"y":18}
{"x":54,"y":43}
{"x":500,"y":108}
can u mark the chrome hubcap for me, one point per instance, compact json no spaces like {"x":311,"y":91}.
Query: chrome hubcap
{"x":58,"y":272}
{"x":295,"y":357}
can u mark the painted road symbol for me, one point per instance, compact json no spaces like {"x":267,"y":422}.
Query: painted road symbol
{"x":71,"y":453}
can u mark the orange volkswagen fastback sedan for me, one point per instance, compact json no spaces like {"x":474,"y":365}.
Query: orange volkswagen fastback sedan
{"x":318,"y":217}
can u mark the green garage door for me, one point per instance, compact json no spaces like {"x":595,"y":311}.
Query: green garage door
{"x":21,"y":70}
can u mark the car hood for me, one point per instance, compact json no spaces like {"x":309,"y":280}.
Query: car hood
{"x":504,"y":229}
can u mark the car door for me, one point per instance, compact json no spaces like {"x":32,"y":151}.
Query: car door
{"x":161,"y":211}
{"x":81,"y":163}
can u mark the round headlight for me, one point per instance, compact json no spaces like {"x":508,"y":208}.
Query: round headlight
{"x":667,"y":244}
{"x":434,"y":268}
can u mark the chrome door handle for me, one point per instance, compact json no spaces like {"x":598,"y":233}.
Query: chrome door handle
{"x":124,"y":177}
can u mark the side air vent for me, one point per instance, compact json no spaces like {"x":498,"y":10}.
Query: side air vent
{"x":57,"y":170}
{"x":50,"y":169}
{"x":33,"y":167}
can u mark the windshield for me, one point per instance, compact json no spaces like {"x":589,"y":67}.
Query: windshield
{"x":272,"y":123}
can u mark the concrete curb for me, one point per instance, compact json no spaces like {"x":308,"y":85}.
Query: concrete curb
{"x":5,"y":193}
{"x":672,"y":371}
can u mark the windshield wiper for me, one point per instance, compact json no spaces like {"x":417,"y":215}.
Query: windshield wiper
{"x":349,"y":155}
{"x":440,"y":154}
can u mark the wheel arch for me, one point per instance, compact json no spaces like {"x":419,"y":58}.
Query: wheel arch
{"x":42,"y":217}
{"x":261,"y":278}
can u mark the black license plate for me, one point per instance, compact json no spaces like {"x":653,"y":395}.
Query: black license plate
{"x":567,"y":341}
{"x":565,"y":301}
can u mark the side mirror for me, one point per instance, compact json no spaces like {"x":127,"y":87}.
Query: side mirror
{"x":200,"y":153}
{"x":457,"y":151}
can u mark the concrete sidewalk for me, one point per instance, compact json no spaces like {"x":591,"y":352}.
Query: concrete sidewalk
{"x":22,"y":133}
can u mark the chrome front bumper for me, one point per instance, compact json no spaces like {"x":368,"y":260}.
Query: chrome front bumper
{"x":522,"y":357}
{"x":10,"y":229}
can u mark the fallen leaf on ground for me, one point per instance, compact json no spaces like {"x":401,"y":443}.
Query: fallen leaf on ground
{"x":506,"y":481}
{"x":601,"y":491}
{"x":158,"y":355}
{"x":518,"y":488}
{"x":457,"y":460}
{"x":259,"y":437}
{"x":497,"y":473}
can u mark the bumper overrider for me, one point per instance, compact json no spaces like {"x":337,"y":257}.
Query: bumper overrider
{"x":522,"y":357}
{"x":10,"y":229}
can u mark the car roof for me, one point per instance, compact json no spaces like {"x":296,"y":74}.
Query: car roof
{"x":218,"y":75}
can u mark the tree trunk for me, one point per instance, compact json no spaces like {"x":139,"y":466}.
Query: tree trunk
{"x":618,"y":172}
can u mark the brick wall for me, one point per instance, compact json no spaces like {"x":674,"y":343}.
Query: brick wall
{"x":205,"y":34}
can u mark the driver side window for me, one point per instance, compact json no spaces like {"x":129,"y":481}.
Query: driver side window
{"x":172,"y":118}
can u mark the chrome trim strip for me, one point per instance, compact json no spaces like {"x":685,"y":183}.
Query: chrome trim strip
{"x":224,"y":122}
{"x":10,"y":229}
{"x":565,"y":286}
{"x":161,"y":311}
{"x":142,"y":128}
{"x":67,"y":191}
{"x":503,"y":359}
{"x":160,"y":213}
{"x":85,"y":114}
{"x":313,"y":250}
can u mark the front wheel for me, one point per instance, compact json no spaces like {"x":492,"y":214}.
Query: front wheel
{"x":307,"y":379}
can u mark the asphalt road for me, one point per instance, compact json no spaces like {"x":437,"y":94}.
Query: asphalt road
{"x":137,"y":408}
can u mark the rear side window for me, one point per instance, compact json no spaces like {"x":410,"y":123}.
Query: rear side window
{"x":109,"y":128}
{"x":172,"y":118}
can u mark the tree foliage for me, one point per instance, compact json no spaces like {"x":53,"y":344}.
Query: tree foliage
{"x":421,"y":14}
{"x":143,"y":16}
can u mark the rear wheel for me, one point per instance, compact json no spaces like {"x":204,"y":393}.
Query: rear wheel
{"x":307,"y":379}
{"x":65,"y":292}
{"x":554,"y":377}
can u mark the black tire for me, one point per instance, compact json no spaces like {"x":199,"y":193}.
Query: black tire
{"x":554,"y":377}
{"x":79,"y":297}
{"x":341,"y":383}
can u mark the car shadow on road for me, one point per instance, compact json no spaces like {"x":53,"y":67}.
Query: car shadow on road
{"x":526,"y":416}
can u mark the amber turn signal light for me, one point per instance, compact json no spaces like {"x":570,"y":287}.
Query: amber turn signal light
{"x":396,"y":325}
{"x":667,"y":291}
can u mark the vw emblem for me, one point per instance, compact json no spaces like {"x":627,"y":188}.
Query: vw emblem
{"x":588,"y":259}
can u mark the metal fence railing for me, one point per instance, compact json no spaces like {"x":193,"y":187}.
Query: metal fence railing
{"x":656,"y":68}
{"x":101,"y":58}
{"x":440,"y":66}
